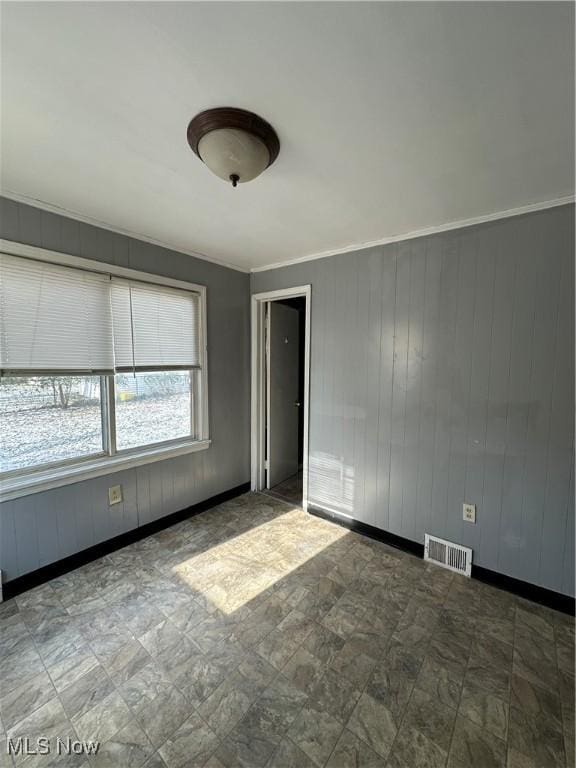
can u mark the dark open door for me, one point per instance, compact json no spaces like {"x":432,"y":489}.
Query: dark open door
{"x":283,"y":402}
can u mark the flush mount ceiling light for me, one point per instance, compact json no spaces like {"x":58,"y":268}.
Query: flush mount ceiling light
{"x":236,"y":145}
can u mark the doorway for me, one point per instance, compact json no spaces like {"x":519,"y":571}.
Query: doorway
{"x":280,"y":379}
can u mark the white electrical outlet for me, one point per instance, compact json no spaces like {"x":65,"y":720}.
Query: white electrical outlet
{"x":115,"y":495}
{"x":469,"y":513}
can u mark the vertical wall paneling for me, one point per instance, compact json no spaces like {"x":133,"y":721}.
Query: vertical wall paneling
{"x":385,"y":389}
{"x":427,"y":426}
{"x":360,"y":365}
{"x":399,"y":385}
{"x":560,"y":444}
{"x":8,"y":547}
{"x":499,"y":374}
{"x":445,"y":370}
{"x":568,"y":570}
{"x":370,"y":448}
{"x":47,"y":521}
{"x":481,"y":341}
{"x":461,"y":382}
{"x":414,"y":380}
{"x":26,"y":532}
{"x":445,"y":383}
{"x":511,"y":531}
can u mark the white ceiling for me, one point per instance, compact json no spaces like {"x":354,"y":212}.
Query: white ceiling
{"x":392,"y":117}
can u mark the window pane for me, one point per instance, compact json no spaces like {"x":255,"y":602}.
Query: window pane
{"x":152,"y":408}
{"x":47,"y":419}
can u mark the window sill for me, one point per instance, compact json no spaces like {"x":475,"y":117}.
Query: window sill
{"x":25,"y":485}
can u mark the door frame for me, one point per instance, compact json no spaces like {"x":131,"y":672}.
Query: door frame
{"x":259,"y":385}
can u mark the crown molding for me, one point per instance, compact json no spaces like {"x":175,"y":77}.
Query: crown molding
{"x":453,"y":225}
{"x":50,"y":208}
{"x":460,"y":224}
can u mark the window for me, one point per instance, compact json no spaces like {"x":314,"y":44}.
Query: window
{"x":153,"y":408}
{"x":49,"y":419}
{"x":96,"y":368}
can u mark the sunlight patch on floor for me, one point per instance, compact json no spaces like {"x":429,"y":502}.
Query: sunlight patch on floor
{"x":229,"y":575}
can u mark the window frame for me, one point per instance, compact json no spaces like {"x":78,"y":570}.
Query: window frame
{"x":25,"y":481}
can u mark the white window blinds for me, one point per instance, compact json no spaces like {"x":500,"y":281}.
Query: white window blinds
{"x":155,"y":327}
{"x":53,"y":319}
{"x":56,"y":319}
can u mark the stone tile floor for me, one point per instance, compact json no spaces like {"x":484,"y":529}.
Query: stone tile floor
{"x":256,"y":635}
{"x":289,"y":490}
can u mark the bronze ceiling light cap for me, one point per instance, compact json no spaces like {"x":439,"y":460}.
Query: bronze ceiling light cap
{"x":235,"y":144}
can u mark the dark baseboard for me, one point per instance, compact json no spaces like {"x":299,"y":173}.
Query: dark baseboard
{"x":547,"y":597}
{"x":53,"y":570}
{"x":369,"y":530}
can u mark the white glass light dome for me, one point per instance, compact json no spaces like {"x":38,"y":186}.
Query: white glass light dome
{"x":230,"y":153}
{"x":235,"y":144}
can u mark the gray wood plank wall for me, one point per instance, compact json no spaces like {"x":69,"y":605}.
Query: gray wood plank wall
{"x":45,"y":527}
{"x":443,"y":371}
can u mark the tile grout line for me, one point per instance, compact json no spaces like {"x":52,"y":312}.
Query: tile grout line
{"x":326,"y":670}
{"x":365,"y":685}
{"x":57,"y":695}
{"x":510,"y":688}
{"x":404,"y":714}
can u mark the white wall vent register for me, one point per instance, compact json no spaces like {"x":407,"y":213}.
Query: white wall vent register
{"x":452,"y":556}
